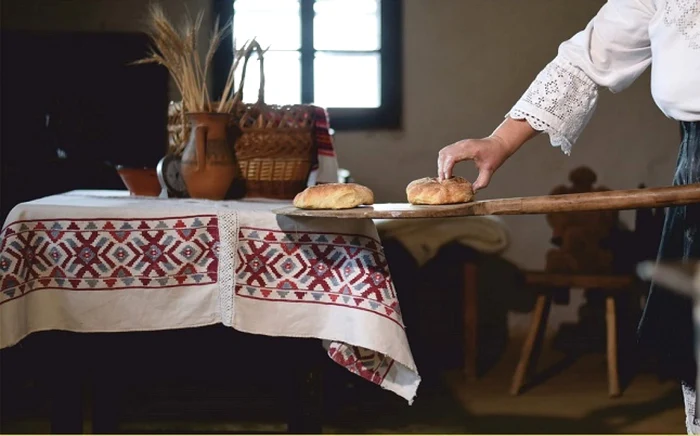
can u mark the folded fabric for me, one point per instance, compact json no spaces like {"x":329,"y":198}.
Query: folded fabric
{"x":423,"y":238}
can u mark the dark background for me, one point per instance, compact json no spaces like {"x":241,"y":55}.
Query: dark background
{"x":72,"y":107}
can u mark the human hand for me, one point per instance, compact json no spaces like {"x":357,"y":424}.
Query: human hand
{"x":488,"y":154}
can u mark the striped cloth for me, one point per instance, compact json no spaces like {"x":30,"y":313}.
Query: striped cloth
{"x":325,"y":166}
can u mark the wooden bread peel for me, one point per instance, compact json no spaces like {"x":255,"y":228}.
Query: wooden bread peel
{"x":604,"y":200}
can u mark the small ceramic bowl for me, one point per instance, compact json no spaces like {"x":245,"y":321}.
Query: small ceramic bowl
{"x":140,"y":181}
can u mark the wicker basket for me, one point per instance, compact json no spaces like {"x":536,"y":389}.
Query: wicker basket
{"x":275,"y":145}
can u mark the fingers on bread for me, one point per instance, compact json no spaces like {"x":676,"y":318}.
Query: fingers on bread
{"x":431,"y":191}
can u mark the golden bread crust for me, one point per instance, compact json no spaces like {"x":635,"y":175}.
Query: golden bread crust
{"x":431,"y":191}
{"x":334,"y":196}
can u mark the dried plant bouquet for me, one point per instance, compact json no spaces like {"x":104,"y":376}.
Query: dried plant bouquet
{"x":177,"y":50}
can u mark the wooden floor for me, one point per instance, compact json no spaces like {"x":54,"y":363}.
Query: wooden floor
{"x":574,"y":401}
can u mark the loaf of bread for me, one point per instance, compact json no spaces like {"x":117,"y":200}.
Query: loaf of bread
{"x":334,"y":196}
{"x":432,"y":191}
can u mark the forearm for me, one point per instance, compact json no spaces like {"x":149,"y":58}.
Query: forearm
{"x":514,"y":133}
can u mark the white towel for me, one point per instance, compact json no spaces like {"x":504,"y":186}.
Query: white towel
{"x":423,"y":238}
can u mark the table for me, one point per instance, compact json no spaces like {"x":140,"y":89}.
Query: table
{"x":105,"y":261}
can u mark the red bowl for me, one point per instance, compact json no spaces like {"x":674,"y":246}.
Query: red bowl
{"x":140,"y":181}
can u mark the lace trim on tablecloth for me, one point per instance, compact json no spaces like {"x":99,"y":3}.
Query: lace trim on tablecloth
{"x":228,"y":247}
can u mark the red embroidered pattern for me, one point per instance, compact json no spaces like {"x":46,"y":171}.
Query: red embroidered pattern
{"x":107,"y":254}
{"x":101,"y":255}
{"x":317,"y":268}
{"x":368,"y":364}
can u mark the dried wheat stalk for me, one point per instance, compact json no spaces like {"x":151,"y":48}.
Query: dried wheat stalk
{"x":228,"y":99}
{"x":177,"y":51}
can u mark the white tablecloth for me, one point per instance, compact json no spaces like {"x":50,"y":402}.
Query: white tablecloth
{"x":104,"y":261}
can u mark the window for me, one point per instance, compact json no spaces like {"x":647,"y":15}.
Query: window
{"x":344,"y":55}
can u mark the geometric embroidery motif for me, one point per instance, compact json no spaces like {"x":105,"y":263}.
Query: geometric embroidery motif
{"x":313,"y":268}
{"x":321,"y":268}
{"x":109,"y":254}
{"x":368,"y":364}
{"x":316,"y":268}
{"x":684,"y":16}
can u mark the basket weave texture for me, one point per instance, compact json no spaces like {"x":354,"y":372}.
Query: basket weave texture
{"x":275,"y":145}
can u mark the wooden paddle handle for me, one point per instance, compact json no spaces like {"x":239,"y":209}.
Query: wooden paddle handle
{"x":604,"y":200}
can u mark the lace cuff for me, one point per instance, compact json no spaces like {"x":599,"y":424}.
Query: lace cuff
{"x":560,"y":102}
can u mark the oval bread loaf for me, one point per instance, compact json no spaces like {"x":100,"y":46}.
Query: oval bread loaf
{"x":431,"y":191}
{"x":334,"y":196}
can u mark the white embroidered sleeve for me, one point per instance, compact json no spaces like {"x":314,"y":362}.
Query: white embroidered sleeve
{"x":612,"y":51}
{"x":559,"y":102}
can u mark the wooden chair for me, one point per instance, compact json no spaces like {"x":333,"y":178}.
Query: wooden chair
{"x":546,"y":282}
{"x":643,"y":244}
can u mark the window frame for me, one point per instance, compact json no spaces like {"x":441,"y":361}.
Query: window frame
{"x":388,"y":115}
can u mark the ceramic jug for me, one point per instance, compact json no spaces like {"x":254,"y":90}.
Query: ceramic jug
{"x":209,"y":164}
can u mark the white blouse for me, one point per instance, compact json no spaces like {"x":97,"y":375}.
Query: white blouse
{"x":615,"y":48}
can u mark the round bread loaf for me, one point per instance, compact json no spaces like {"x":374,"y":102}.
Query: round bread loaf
{"x":334,"y":196}
{"x":432,"y":191}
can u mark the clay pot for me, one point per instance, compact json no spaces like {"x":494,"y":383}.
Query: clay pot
{"x":140,"y":181}
{"x":208,"y":162}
